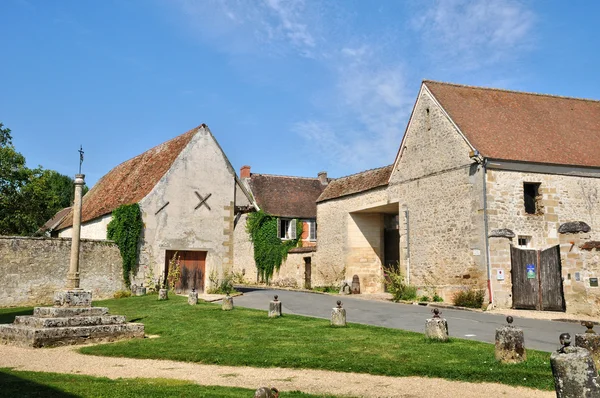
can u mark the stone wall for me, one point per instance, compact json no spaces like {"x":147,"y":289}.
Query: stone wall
{"x":291,"y":272}
{"x":32,"y":269}
{"x":243,"y":252}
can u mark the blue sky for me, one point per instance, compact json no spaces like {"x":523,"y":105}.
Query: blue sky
{"x":288,"y":87}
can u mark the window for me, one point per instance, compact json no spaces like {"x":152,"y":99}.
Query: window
{"x":531,"y":197}
{"x":312,"y":230}
{"x":524,"y":241}
{"x":286,"y":228}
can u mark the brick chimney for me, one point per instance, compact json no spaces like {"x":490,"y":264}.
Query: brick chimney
{"x":245,"y":171}
{"x":323,"y":177}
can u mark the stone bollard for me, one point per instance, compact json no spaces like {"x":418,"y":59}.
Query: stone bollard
{"x":575,"y":375}
{"x":590,"y":341}
{"x":193,"y":297}
{"x":344,"y":288}
{"x":510,"y":343}
{"x":338,"y":315}
{"x":275,"y":308}
{"x":227,"y":303}
{"x":436,"y":328}
{"x":141,"y":291}
{"x":355,"y":284}
{"x":266,"y":392}
{"x":163,"y":294}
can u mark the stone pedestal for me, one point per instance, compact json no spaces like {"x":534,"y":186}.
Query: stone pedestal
{"x":338,"y":315}
{"x":73,"y":298}
{"x":227,"y":303}
{"x":275,"y":308}
{"x":163,"y":294}
{"x":355,"y":284}
{"x":193,"y":297}
{"x":575,"y":374}
{"x":140,"y":291}
{"x":591,"y":342}
{"x":436,"y":329}
{"x":510,"y":345}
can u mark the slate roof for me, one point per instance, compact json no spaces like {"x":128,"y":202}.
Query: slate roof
{"x":132,"y":180}
{"x":527,"y":127}
{"x":285,"y":196}
{"x":356,"y":183}
{"x":52,"y":223}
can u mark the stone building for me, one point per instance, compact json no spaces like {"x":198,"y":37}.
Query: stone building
{"x":289,"y":199}
{"x":189,"y":195}
{"x":491,"y":189}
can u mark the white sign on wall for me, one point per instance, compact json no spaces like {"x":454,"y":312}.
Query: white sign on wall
{"x":500,"y":274}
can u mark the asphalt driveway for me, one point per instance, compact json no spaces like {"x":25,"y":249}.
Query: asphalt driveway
{"x":539,"y":334}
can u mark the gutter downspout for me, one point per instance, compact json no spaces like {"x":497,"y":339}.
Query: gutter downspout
{"x":485,"y":226}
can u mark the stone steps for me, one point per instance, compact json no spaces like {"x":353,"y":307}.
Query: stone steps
{"x":62,"y":312}
{"x":37,"y":322}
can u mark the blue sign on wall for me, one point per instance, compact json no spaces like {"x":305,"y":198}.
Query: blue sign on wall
{"x":530,"y":271}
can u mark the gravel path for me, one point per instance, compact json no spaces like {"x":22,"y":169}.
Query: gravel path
{"x":67,"y":360}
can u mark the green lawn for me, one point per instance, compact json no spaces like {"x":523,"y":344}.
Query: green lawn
{"x":244,"y":337}
{"x":54,"y":385}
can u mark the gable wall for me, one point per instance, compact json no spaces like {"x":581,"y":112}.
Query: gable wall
{"x":441,"y":189}
{"x":200,"y":167}
{"x":93,"y":229}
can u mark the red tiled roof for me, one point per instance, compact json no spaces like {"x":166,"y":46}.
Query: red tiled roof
{"x":130,"y":181}
{"x":55,"y":220}
{"x":285,"y":196}
{"x":356,"y":183}
{"x":510,"y":125}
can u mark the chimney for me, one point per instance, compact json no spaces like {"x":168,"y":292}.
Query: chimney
{"x":323,"y":177}
{"x":245,"y":172}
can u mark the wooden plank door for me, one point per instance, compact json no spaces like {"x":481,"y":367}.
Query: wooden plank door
{"x":525,"y":278}
{"x":551,"y":280}
{"x":307,"y":272}
{"x":193,"y":265}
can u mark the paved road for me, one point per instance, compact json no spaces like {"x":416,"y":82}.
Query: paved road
{"x":539,"y":334}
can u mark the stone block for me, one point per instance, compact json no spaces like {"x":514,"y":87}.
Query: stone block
{"x":59,"y":312}
{"x":193,"y":297}
{"x":73,"y":298}
{"x":510,"y":345}
{"x":591,"y":342}
{"x":338,"y":317}
{"x":436,"y":329}
{"x":275,"y":308}
{"x":575,"y":374}
{"x":227,"y":303}
{"x":71,"y":321}
{"x":163,"y":294}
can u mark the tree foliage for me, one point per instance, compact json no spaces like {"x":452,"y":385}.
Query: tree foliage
{"x":125,"y":229}
{"x":269,"y":250}
{"x":28,"y":197}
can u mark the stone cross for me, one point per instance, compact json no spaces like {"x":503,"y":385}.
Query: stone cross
{"x":73,"y":275}
{"x":510,"y":343}
{"x":436,"y":328}
{"x":574,"y":372}
{"x":338,"y":315}
{"x":275,"y":308}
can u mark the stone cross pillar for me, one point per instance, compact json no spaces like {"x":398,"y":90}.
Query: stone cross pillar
{"x":193,"y":297}
{"x":73,"y":275}
{"x":590,"y":341}
{"x":575,"y":375}
{"x":436,"y":328}
{"x":338,"y":315}
{"x":227,"y":303}
{"x":510,"y":343}
{"x":275,"y":308}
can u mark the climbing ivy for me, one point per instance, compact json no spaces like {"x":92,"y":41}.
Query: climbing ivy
{"x":269,"y":250}
{"x":125,"y":229}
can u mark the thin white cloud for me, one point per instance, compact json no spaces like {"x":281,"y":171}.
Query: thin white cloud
{"x":475,"y":33}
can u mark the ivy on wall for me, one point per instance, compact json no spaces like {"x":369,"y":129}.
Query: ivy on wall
{"x":125,"y":229}
{"x":269,"y":250}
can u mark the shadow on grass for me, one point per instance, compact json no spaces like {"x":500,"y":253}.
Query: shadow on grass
{"x":7,"y":315}
{"x":14,"y":386}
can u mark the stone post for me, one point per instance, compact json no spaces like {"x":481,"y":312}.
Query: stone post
{"x":141,"y":291}
{"x":338,"y":315}
{"x":590,"y":341}
{"x":355,"y":284}
{"x":266,"y":392}
{"x":193,"y":297}
{"x":227,"y":303}
{"x":510,"y":343}
{"x":575,"y":375}
{"x":73,"y":275}
{"x":275,"y":308}
{"x":163,"y":294}
{"x":436,"y":328}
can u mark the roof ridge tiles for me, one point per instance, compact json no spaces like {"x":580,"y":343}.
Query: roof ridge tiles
{"x":364,"y":171}
{"x":505,"y":90}
{"x":279,"y":175}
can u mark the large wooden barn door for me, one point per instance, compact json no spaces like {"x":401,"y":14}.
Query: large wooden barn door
{"x":193,"y":265}
{"x":536,"y":279}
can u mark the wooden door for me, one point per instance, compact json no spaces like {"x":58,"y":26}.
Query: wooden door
{"x":192,"y":266}
{"x":524,"y":276}
{"x":307,"y":272}
{"x":551,"y":280}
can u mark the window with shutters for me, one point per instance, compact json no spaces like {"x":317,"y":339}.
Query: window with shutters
{"x":312,"y":229}
{"x":286,"y":228}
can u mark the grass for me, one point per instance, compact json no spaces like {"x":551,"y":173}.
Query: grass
{"x":243,"y":337}
{"x":54,"y":385}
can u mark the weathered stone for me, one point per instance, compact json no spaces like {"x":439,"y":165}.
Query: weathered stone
{"x":227,"y":303}
{"x":266,"y":392}
{"x":502,"y":233}
{"x":344,"y":288}
{"x":140,"y":291}
{"x":36,"y":322}
{"x":591,"y":342}
{"x":510,"y":345}
{"x":73,"y":298}
{"x":338,"y":315}
{"x":62,"y":312}
{"x":575,"y":374}
{"x":193,"y":297}
{"x":275,"y":308}
{"x":163,"y":294}
{"x":573,"y":227}
{"x":436,"y":329}
{"x":355,"y":284}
